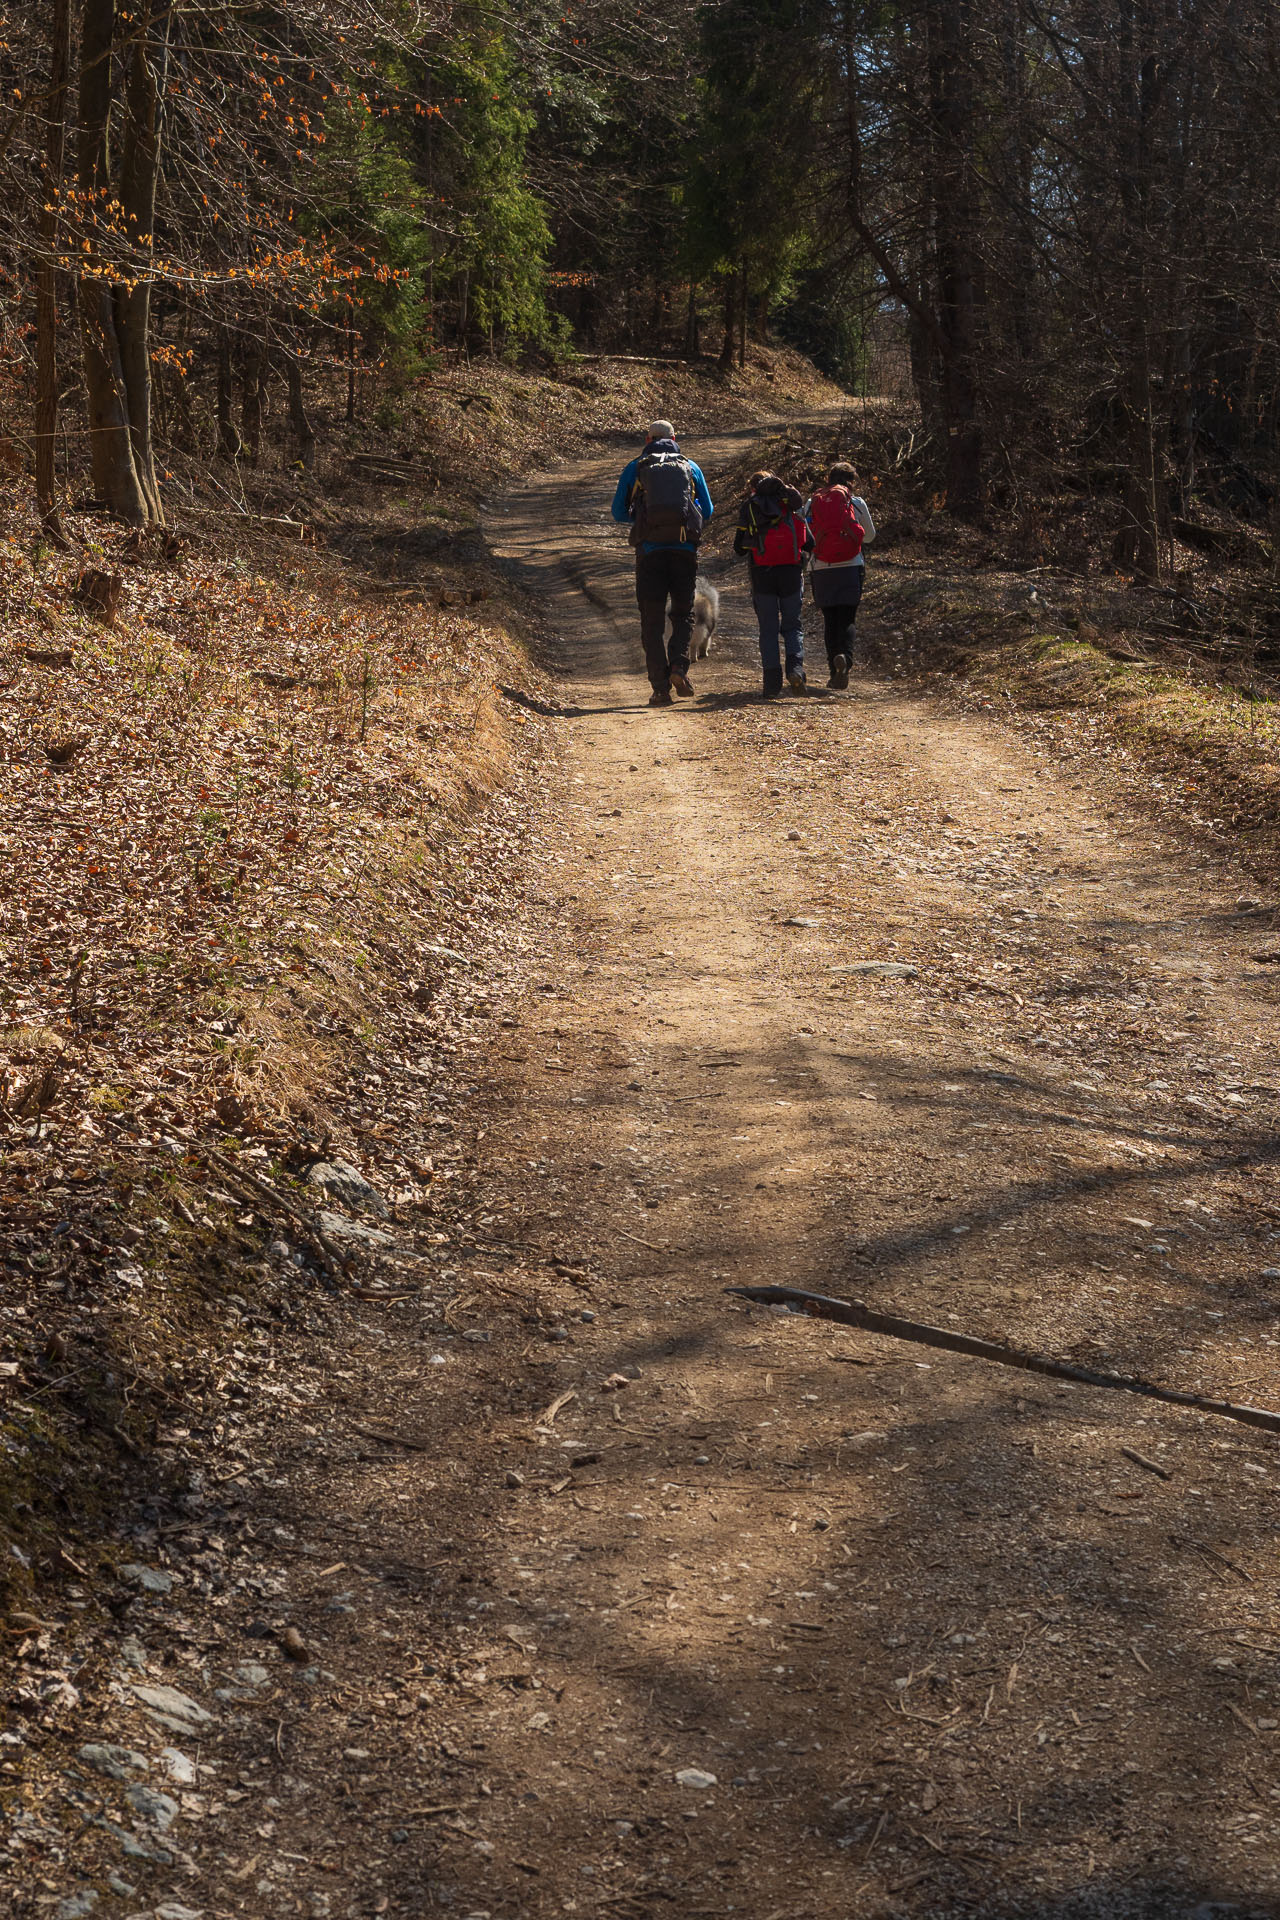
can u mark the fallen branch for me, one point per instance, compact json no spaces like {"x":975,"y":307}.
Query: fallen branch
{"x":852,"y":1313}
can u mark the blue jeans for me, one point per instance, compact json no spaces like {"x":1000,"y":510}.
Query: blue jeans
{"x":780,"y":613}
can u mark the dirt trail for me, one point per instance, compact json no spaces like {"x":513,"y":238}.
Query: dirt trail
{"x":942,"y":1643}
{"x":930,"y":1639}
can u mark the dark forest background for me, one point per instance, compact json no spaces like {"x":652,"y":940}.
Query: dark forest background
{"x":1057,"y":222}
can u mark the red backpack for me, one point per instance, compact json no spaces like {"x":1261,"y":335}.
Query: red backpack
{"x":781,"y":544}
{"x":837,"y":530}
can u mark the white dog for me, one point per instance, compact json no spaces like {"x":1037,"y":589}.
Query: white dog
{"x":706,"y":612}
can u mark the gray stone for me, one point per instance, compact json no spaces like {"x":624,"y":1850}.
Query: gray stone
{"x":116,"y":1762}
{"x":883,"y":969}
{"x":172,"y":1709}
{"x":76,"y":1905}
{"x":179,"y":1768}
{"x":338,"y":1227}
{"x":340,"y":1180}
{"x":149,"y":1578}
{"x":695,"y":1777}
{"x":174,"y":1910}
{"x":134,"y":1654}
{"x":152,"y":1805}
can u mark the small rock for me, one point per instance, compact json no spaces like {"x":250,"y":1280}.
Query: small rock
{"x":179,"y":1769}
{"x":793,"y":835}
{"x":173,"y":1709}
{"x":174,"y":1910}
{"x":596,"y":1166}
{"x":587,"y":1317}
{"x":514,"y":1479}
{"x":702,"y":1460}
{"x":115,"y":1762}
{"x":614,"y":1383}
{"x":695,"y":1777}
{"x":338,"y":1227}
{"x":355,"y":1753}
{"x":294,"y":1647}
{"x":253,"y":1674}
{"x":134,"y":1654}
{"x":872,"y":1437}
{"x":883,"y":969}
{"x":77,"y":1904}
{"x":342,"y":1183}
{"x":152,"y":1805}
{"x":1270,"y":1273}
{"x":800,"y":919}
{"x":149,"y":1578}
{"x":557,"y":1333}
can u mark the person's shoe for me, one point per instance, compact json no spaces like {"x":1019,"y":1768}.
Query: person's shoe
{"x":681,"y":683}
{"x":771,"y":693}
{"x":839,"y":670}
{"x":660,"y":697}
{"x":796,"y":680}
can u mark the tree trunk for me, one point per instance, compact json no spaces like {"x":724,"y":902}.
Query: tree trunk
{"x":115,"y":477}
{"x":251,"y":401}
{"x":743,"y":297}
{"x":46,"y":272}
{"x":955,"y":217}
{"x":1020,"y":264}
{"x":139,"y":176}
{"x":726,"y":349}
{"x":228,"y":438}
{"x":113,"y":360}
{"x":1137,"y":543}
{"x":299,"y":419}
{"x":691,"y":323}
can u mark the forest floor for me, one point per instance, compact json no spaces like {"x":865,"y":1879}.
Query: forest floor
{"x":547,"y":1578}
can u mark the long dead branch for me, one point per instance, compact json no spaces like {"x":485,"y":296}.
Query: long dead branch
{"x":852,"y":1313}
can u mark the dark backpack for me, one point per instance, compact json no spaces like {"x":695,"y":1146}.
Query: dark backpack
{"x":664,"y":506}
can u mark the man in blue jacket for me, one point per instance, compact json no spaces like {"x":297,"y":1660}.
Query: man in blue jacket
{"x":665,"y":499}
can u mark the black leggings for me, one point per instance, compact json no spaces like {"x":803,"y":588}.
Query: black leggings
{"x":837,"y":624}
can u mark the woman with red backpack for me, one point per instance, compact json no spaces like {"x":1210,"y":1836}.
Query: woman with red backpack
{"x":841,"y":524}
{"x":773,"y":535}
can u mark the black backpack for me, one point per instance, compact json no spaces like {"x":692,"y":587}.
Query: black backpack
{"x":665,"y":507}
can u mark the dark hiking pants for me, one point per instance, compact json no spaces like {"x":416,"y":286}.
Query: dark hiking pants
{"x":837,"y":622}
{"x":667,"y":574}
